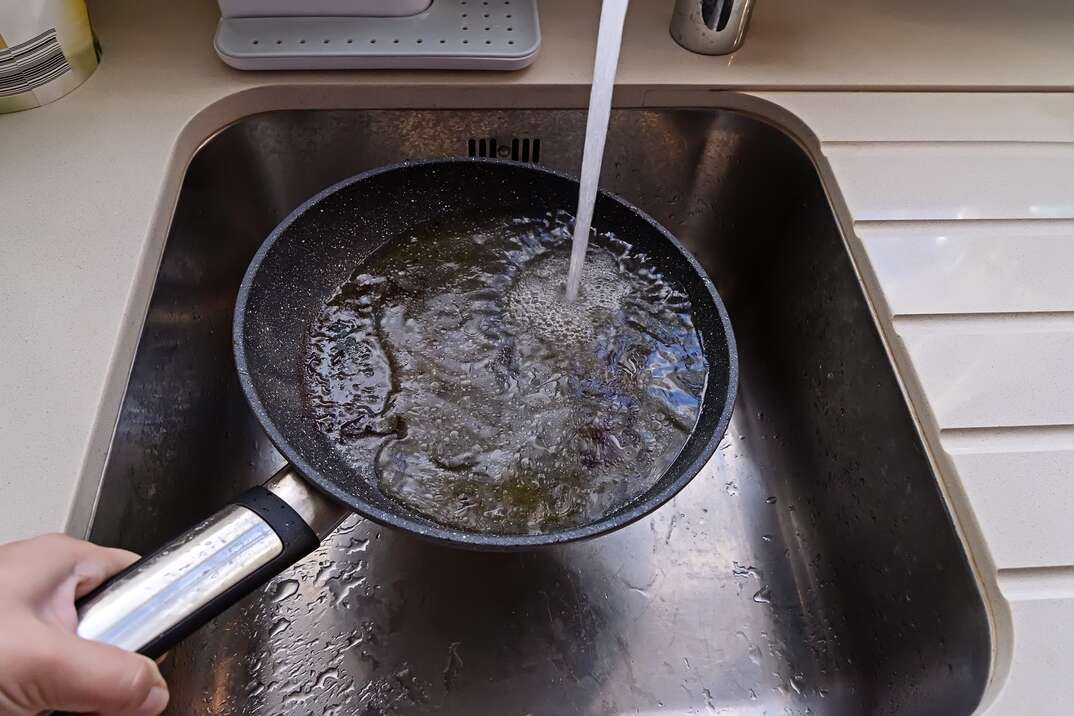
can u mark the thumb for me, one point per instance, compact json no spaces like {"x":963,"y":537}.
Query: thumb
{"x":87,"y":676}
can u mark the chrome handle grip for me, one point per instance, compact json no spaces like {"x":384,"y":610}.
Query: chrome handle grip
{"x":161,"y":598}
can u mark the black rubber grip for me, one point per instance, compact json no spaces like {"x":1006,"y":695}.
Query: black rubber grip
{"x":288,"y":524}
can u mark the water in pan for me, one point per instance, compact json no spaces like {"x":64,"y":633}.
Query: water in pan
{"x":451,"y":361}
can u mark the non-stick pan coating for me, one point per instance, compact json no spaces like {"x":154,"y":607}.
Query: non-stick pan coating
{"x":320,"y":243}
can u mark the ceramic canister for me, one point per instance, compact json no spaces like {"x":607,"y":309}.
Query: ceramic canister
{"x":47,"y":48}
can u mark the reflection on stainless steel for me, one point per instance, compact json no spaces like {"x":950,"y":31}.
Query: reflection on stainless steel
{"x":184,"y":576}
{"x":811,"y":568}
{"x":711,"y":27}
{"x":320,"y":513}
{"x":160,"y":592}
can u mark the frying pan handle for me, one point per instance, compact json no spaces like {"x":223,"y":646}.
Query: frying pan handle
{"x":160,"y":599}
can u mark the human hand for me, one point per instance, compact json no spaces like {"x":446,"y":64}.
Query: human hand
{"x":44,"y":665}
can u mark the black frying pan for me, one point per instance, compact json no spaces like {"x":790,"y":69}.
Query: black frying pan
{"x":165,"y":596}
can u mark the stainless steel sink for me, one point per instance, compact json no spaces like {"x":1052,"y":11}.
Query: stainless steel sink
{"x":812,"y":568}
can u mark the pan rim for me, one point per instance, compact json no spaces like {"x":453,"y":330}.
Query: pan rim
{"x":630,"y":513}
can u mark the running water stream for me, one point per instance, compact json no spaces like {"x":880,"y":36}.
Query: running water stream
{"x":609,"y":38}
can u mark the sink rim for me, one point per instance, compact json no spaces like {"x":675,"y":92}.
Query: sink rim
{"x":774,"y":115}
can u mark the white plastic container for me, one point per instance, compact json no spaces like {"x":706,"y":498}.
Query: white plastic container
{"x":441,"y":37}
{"x":322,"y":8}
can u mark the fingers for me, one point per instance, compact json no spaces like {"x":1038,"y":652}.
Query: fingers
{"x":36,"y":567}
{"x":43,"y":664}
{"x":73,"y":674}
{"x":99,"y":564}
{"x":49,"y":573}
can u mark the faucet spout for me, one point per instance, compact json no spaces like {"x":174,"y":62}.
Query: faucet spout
{"x":711,"y":27}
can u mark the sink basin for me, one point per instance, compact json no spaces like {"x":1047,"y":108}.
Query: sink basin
{"x":811,"y":568}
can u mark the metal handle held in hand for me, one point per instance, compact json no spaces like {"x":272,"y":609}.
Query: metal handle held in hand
{"x":161,"y":598}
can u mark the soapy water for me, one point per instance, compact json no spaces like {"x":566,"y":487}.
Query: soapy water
{"x":486,"y":401}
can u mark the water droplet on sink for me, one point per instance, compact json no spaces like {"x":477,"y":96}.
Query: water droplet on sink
{"x":731,"y":488}
{"x":323,"y":679}
{"x":358,"y":545}
{"x":743,"y":571}
{"x":454,"y":665}
{"x":771,"y":499}
{"x":279,"y":626}
{"x":763,"y":595}
{"x":286,"y":588}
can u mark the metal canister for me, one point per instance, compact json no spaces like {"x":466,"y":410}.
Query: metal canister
{"x":47,"y":48}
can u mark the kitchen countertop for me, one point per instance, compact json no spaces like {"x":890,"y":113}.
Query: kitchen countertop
{"x":956,"y":193}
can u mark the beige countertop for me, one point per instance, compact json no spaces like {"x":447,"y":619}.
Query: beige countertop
{"x":956,"y":193}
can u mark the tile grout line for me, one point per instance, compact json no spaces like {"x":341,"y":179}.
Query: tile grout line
{"x":960,"y":143}
{"x":1020,"y":322}
{"x":1036,"y":583}
{"x":1004,"y":439}
{"x":964,"y":316}
{"x":966,"y":224}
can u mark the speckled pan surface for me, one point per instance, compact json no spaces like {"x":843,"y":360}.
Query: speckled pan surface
{"x":316,"y":248}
